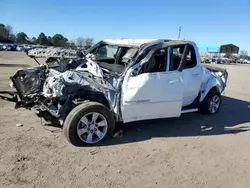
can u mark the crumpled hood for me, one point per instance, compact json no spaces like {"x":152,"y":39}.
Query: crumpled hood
{"x":91,"y":67}
{"x":88,"y":76}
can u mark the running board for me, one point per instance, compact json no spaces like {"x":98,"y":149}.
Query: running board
{"x":189,"y":110}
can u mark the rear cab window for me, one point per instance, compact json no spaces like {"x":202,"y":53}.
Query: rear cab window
{"x":176,"y":55}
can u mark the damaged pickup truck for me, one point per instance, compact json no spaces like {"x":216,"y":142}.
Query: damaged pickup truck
{"x":119,"y":80}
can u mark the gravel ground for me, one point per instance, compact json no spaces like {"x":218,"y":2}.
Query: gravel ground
{"x":191,"y":151}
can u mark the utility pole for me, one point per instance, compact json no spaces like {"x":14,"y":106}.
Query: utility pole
{"x":179,"y":35}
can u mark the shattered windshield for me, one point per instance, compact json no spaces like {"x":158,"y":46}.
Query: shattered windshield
{"x":106,"y":51}
{"x":113,"y":57}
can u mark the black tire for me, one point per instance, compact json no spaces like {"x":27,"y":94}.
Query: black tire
{"x":71,"y":122}
{"x":204,"y":105}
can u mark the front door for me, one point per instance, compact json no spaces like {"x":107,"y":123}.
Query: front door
{"x":152,"y":93}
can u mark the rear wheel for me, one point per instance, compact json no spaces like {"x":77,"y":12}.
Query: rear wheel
{"x":88,"y":124}
{"x":211,"y":103}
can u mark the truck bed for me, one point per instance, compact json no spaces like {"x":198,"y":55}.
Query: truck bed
{"x":214,"y":68}
{"x":219,"y":72}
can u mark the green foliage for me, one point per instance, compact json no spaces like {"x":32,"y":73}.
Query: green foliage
{"x":22,"y":38}
{"x":42,"y":40}
{"x":59,"y":40}
{"x":7,"y":36}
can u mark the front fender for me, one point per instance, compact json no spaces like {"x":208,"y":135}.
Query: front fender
{"x":207,"y":86}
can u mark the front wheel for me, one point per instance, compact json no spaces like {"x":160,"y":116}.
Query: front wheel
{"x":88,"y":124}
{"x":211,"y":103}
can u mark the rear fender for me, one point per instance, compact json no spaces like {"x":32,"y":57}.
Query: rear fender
{"x":207,"y":86}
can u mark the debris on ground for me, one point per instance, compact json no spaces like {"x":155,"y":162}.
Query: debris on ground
{"x":84,"y":168}
{"x":19,"y":125}
{"x":94,"y":152}
{"x":118,"y":134}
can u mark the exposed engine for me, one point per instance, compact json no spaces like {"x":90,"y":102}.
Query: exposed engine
{"x":52,"y":92}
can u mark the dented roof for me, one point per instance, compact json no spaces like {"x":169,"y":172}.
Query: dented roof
{"x":129,"y":42}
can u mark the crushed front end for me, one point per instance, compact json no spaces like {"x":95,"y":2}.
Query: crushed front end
{"x":52,"y":94}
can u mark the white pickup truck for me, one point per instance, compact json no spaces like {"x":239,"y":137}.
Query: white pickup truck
{"x":120,"y":80}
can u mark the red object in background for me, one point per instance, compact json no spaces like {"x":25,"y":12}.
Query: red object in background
{"x":228,"y":61}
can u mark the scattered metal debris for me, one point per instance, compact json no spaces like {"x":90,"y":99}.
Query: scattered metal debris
{"x":52,"y":52}
{"x":19,"y":125}
{"x":94,"y":152}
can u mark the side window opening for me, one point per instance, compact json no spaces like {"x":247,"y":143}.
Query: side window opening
{"x":191,"y":60}
{"x":157,"y":63}
{"x":126,"y":55}
{"x":176,"y":54}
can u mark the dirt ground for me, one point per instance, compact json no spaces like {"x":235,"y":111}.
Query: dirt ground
{"x":191,"y":151}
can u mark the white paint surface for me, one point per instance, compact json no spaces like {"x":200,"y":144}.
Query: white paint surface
{"x":151,"y":96}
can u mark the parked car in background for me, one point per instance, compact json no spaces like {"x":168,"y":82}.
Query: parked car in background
{"x":20,"y":48}
{"x":228,"y":61}
{"x":245,"y":61}
{"x":9,"y":47}
{"x":202,"y":59}
{"x":207,"y":60}
{"x":219,"y":61}
{"x":233,"y":61}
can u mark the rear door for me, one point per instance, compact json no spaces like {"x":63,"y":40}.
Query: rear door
{"x":191,"y":71}
{"x":153,"y":92}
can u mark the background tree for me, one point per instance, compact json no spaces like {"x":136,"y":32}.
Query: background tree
{"x":228,"y":55}
{"x":22,"y":38}
{"x":42,"y":39}
{"x":80,"y":42}
{"x":59,"y":40}
{"x":13,"y":38}
{"x":72,"y":44}
{"x":49,"y":40}
{"x":33,"y":40}
{"x":89,"y":42}
{"x":6,"y":34}
{"x":243,"y":54}
{"x":84,"y":42}
{"x":9,"y":29}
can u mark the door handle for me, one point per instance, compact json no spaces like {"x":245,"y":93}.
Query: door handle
{"x":195,"y":75}
{"x":172,"y":81}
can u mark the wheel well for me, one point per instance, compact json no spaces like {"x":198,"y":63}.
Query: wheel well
{"x":97,"y":97}
{"x":101,"y":99}
{"x":214,"y":89}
